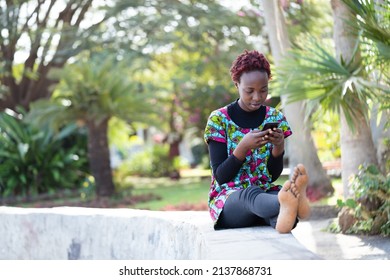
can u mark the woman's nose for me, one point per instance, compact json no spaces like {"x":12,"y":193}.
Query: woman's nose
{"x":257,"y":96}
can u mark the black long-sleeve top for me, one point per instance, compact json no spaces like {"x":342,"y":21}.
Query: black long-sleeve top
{"x":225,"y":167}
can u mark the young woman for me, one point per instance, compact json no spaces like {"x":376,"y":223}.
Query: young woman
{"x":246,"y":159}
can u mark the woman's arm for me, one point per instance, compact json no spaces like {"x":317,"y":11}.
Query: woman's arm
{"x":224,"y":168}
{"x":275,"y":166}
{"x":275,"y":162}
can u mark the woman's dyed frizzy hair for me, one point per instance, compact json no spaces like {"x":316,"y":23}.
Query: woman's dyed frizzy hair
{"x":249,"y":61}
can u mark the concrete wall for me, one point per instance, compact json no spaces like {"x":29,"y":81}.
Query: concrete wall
{"x":90,"y":233}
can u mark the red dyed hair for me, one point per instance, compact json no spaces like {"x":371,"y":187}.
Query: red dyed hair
{"x":249,"y":61}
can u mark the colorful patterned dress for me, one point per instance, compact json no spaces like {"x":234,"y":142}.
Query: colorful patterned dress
{"x":221,"y":128}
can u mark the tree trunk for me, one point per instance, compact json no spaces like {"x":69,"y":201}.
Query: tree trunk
{"x":381,"y":136}
{"x":356,"y":147}
{"x":99,"y":157}
{"x":300,"y":146}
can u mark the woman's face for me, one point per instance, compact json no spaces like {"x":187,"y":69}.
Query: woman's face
{"x":253,"y":90}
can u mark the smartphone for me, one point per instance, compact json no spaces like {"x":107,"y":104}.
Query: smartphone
{"x":270,"y":126}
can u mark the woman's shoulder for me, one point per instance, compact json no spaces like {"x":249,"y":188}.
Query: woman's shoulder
{"x":220,"y":112}
{"x":273,"y":112}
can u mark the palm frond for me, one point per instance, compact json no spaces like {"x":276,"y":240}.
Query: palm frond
{"x":51,"y":114}
{"x":373,"y":22}
{"x":314,"y":75}
{"x":100,"y":88}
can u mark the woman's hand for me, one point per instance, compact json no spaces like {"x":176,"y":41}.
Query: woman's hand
{"x":252,"y":140}
{"x":255,"y":139}
{"x":276,"y":137}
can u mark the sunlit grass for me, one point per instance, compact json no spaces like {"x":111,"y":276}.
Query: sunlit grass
{"x":172,"y":192}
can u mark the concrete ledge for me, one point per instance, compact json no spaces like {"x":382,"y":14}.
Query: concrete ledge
{"x":104,"y":234}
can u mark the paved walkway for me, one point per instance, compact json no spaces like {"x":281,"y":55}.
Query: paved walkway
{"x":331,"y":246}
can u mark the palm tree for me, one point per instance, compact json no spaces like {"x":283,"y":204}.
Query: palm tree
{"x":342,"y":83}
{"x":90,"y":93}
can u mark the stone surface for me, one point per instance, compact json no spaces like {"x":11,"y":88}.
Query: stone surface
{"x":331,"y":246}
{"x":105,"y":234}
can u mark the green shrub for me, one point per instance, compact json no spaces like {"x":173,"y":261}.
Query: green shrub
{"x":370,"y":206}
{"x":199,"y":151}
{"x":35,"y":160}
{"x":152,"y":162}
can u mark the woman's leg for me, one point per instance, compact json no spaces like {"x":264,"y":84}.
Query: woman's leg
{"x":249,"y":207}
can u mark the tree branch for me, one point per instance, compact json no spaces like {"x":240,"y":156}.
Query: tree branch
{"x":84,"y":9}
{"x":26,"y":82}
{"x":64,"y":49}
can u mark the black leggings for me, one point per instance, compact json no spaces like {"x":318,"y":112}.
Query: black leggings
{"x":250,"y":207}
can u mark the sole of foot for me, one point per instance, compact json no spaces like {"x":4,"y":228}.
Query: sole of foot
{"x":288,"y":209}
{"x":299,"y":181}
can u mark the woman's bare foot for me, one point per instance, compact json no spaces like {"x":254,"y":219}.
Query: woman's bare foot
{"x":288,"y":209}
{"x":299,"y":182}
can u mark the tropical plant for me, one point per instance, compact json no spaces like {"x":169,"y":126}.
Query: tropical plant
{"x":34,"y":160}
{"x":368,"y":212}
{"x":336,"y":83}
{"x":373,"y":22}
{"x":313,"y":74}
{"x":90,"y":93}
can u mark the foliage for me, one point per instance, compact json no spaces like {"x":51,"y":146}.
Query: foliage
{"x":370,"y":204}
{"x":200,"y":152}
{"x":326,"y":136}
{"x":190,"y":45}
{"x":373,"y":22}
{"x":90,"y":93}
{"x":95,"y":88}
{"x":202,"y":36}
{"x":58,"y":31}
{"x":38,"y":36}
{"x":328,"y":84}
{"x":34,"y":160}
{"x":100,"y":87}
{"x":373,"y":25}
{"x":308,"y":17}
{"x":120,"y":133}
{"x":152,"y":162}
{"x":386,"y":143}
{"x":186,"y":23}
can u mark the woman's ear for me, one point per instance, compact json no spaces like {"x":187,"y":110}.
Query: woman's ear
{"x":236,"y":85}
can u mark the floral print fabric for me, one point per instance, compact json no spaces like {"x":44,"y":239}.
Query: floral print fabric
{"x":221,"y":128}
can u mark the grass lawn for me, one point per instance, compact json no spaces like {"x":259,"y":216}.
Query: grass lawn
{"x":184,"y":191}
